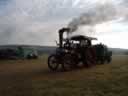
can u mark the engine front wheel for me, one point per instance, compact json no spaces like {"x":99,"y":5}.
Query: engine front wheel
{"x":52,"y":63}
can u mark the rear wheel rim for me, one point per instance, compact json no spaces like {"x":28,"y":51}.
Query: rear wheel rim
{"x":90,"y":57}
{"x":67,"y":65}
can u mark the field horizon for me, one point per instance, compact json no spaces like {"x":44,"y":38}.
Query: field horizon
{"x":50,"y":49}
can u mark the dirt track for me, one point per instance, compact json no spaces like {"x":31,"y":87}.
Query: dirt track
{"x":19,"y":75}
{"x":37,"y":69}
{"x":16,"y":76}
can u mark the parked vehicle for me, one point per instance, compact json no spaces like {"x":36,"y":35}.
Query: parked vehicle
{"x":18,"y":53}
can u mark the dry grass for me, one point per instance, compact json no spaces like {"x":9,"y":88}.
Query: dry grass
{"x":33,"y":78}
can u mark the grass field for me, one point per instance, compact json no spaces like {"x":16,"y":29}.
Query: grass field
{"x":33,"y":78}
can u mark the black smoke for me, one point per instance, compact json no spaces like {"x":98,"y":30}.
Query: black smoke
{"x":96,"y":15}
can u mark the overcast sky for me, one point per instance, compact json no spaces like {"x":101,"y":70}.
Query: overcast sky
{"x":36,"y":22}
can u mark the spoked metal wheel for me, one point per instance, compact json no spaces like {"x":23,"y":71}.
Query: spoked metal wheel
{"x":90,"y":57}
{"x":109,"y":59}
{"x":52,"y":63}
{"x":102,"y":61}
{"x":67,"y":63}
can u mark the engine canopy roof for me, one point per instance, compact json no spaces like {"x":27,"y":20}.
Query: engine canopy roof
{"x":81,"y":37}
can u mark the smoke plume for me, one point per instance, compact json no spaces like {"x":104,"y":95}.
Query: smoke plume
{"x":96,"y":15}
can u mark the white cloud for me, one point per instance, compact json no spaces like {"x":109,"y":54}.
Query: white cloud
{"x":37,"y":21}
{"x":114,"y":40}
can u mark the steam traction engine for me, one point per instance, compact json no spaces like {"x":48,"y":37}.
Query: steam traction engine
{"x":75,"y":50}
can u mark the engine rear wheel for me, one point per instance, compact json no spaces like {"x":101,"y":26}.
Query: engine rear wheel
{"x":90,"y":57}
{"x":67,"y":62}
{"x":52,"y":63}
{"x":109,"y":59}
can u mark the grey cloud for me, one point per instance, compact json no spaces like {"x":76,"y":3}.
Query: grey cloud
{"x":37,"y":21}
